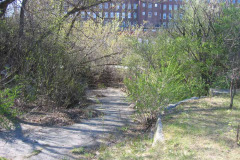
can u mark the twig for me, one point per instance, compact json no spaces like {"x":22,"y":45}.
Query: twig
{"x":238,"y":134}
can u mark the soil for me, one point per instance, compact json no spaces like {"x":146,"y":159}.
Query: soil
{"x":49,"y":115}
{"x":37,"y":142}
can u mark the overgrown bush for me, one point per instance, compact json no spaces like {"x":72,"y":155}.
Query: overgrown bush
{"x":159,"y":74}
{"x":7,"y":112}
{"x":185,"y":59}
{"x":56,"y":57}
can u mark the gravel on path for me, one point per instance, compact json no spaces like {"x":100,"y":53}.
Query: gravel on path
{"x":55,"y":143}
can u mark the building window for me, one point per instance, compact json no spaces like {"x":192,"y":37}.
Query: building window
{"x":149,"y":5}
{"x":181,"y":16}
{"x":106,"y":5}
{"x":94,"y":15}
{"x":175,"y":7}
{"x":164,"y":24}
{"x":156,"y":5}
{"x":111,"y":15}
{"x":82,"y":14}
{"x":124,"y":24}
{"x":123,"y":6}
{"x":106,"y":15}
{"x":117,"y":14}
{"x":111,"y":5}
{"x":144,"y":5}
{"x":88,"y":14}
{"x":170,"y":7}
{"x":143,"y":13}
{"x":134,"y":6}
{"x":134,"y":15}
{"x":164,"y":16}
{"x":170,"y":15}
{"x":117,"y":6}
{"x":155,"y":13}
{"x":129,"y":6}
{"x":129,"y":14}
{"x":123,"y":15}
{"x":164,"y":7}
{"x":149,"y":14}
{"x":100,"y":6}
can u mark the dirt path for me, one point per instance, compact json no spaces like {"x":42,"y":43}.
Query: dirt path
{"x":51,"y":143}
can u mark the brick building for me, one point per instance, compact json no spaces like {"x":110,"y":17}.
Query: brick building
{"x":157,"y":13}
{"x":150,"y":13}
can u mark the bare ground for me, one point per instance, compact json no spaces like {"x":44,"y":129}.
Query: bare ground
{"x":37,"y":142}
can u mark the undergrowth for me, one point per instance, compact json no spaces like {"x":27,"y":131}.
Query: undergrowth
{"x":200,"y":129}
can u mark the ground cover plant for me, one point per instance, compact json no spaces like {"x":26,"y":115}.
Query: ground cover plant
{"x":199,"y":129}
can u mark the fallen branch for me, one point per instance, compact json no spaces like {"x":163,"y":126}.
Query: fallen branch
{"x":158,"y":130}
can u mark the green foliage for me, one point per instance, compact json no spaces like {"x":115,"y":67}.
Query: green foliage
{"x":159,"y":74}
{"x":54,"y":60}
{"x":34,"y":153}
{"x":221,"y":81}
{"x":48,"y":71}
{"x":79,"y":150}
{"x":185,"y":60}
{"x":7,"y":112}
{"x":192,"y":131}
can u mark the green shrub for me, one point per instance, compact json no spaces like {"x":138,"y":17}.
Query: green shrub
{"x":160,"y":73}
{"x":7,"y":112}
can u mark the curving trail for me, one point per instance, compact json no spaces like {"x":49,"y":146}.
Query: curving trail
{"x":55,"y":143}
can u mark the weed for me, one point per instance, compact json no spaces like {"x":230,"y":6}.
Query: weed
{"x":124,"y":128}
{"x":89,"y":155}
{"x":35,"y":152}
{"x":200,"y":129}
{"x":79,"y":150}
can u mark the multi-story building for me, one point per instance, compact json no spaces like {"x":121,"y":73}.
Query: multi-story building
{"x":135,"y":12}
{"x":157,"y":13}
{"x":154,"y":13}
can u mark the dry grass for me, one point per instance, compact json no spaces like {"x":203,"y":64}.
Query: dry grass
{"x":201,"y":129}
{"x":51,"y":115}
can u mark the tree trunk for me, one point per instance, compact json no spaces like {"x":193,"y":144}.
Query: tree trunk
{"x":21,"y":23}
{"x":231,"y":93}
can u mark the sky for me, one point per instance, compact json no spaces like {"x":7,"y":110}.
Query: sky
{"x":15,"y":5}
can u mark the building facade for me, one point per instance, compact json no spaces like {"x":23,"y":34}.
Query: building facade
{"x":150,"y":13}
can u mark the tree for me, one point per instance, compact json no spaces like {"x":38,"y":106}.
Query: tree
{"x":228,"y":28}
{"x":195,"y":23}
{"x":34,"y":44}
